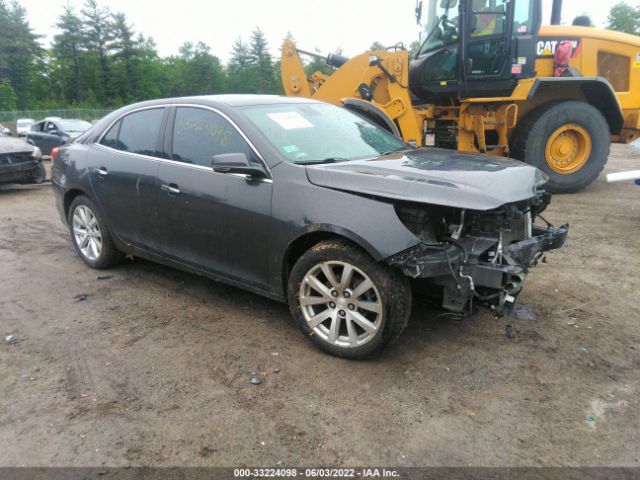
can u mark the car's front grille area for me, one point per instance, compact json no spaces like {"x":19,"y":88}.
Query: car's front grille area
{"x":15,"y":158}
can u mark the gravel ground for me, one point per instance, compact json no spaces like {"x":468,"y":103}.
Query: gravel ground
{"x":145,"y":365}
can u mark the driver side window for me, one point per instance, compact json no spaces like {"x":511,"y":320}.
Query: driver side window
{"x":487,"y":45}
{"x":199,"y":134}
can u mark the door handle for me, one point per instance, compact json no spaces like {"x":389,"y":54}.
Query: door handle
{"x":171,"y":189}
{"x":102,"y":171}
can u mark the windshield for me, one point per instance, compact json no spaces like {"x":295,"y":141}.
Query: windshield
{"x":309,"y":133}
{"x":24,"y":123}
{"x":74,"y":125}
{"x":441,"y":26}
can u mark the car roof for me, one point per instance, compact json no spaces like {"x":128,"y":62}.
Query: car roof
{"x":227,"y":100}
{"x":225,"y":103}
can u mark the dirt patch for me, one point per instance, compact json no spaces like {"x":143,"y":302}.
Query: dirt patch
{"x":153,"y":367}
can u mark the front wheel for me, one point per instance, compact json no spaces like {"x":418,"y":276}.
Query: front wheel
{"x":569,"y":141}
{"x":348,"y":304}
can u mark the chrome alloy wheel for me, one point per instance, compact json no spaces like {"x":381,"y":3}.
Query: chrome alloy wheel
{"x":341,"y":304}
{"x":87,"y":232}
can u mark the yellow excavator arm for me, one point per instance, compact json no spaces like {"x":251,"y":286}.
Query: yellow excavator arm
{"x":376,"y":80}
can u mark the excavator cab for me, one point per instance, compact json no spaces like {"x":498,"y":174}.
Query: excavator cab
{"x":496,"y":37}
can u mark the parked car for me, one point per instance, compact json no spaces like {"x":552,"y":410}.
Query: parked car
{"x":23,"y":125}
{"x":5,"y":131}
{"x":53,"y":132}
{"x":20,"y":162}
{"x":305,"y":203}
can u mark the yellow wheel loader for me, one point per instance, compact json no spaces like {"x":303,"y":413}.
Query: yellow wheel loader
{"x":489,"y":78}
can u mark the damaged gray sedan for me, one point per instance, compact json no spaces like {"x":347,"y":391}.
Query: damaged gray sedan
{"x":305,"y":203}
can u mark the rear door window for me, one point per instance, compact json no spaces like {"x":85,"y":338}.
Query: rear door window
{"x":199,"y":134}
{"x":137,"y":132}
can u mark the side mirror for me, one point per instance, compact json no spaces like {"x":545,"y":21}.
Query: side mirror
{"x":235,"y":163}
{"x":374,"y":60}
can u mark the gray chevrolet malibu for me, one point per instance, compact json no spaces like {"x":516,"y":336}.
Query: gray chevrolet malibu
{"x":306,"y":203}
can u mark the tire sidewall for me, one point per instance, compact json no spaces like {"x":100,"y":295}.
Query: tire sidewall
{"x":102,"y":259}
{"x":556,"y":116}
{"x":364,"y":262}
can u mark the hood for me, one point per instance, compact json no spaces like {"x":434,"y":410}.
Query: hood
{"x":14,"y":145}
{"x":434,"y":176}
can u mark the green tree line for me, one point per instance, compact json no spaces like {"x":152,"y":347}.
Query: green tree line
{"x":96,"y":60}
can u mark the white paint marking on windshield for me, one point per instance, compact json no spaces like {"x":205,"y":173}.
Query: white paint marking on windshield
{"x":290,"y":120}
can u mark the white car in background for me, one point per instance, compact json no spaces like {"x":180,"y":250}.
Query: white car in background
{"x":23,"y":125}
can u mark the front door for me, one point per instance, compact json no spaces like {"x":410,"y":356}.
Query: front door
{"x":207,"y":219}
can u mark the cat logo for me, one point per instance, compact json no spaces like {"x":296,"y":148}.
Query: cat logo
{"x":547,"y":48}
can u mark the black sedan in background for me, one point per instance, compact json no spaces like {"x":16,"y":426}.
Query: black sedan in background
{"x":20,"y":162}
{"x":305,"y":203}
{"x":54,"y":132}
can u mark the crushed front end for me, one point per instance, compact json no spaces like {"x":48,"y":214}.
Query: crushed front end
{"x":476,"y":256}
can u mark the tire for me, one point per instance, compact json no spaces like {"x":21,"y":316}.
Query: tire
{"x":107,"y":254}
{"x":584,"y":127}
{"x":39,"y":174}
{"x":388,"y":300}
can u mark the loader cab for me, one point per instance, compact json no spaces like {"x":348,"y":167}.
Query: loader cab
{"x":497,"y":40}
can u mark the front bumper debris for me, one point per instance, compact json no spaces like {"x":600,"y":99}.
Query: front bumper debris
{"x":18,"y":172}
{"x":479,"y":267}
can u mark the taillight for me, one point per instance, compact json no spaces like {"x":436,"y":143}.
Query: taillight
{"x":54,"y":153}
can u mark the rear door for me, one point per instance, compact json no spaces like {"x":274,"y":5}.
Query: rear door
{"x":212,"y":220}
{"x":123,"y":168}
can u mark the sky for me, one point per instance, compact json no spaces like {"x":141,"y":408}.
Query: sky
{"x":352,"y":25}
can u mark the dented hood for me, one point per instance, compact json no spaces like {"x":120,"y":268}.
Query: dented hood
{"x":434,"y":176}
{"x":14,"y":145}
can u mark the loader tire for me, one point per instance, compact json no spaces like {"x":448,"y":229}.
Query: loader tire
{"x":569,"y":141}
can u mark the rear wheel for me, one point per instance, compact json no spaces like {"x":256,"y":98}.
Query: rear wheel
{"x":90,"y":236}
{"x":348,"y":304}
{"x":569,"y":141}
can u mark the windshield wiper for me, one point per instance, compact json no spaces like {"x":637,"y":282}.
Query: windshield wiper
{"x":319,"y":162}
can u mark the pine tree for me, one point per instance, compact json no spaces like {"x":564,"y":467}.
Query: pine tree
{"x":97,"y":33}
{"x":67,"y":47}
{"x":242,"y":77}
{"x":8,"y":97}
{"x":260,"y":60}
{"x":19,"y":50}
{"x":123,"y":50}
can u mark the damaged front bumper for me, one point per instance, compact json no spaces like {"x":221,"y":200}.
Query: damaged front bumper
{"x":479,"y":267}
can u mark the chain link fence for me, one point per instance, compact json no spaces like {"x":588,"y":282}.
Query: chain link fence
{"x":83,"y":113}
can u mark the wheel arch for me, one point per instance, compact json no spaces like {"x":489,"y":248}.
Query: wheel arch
{"x":69,"y":196}
{"x":315,"y":234}
{"x":596,"y":91}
